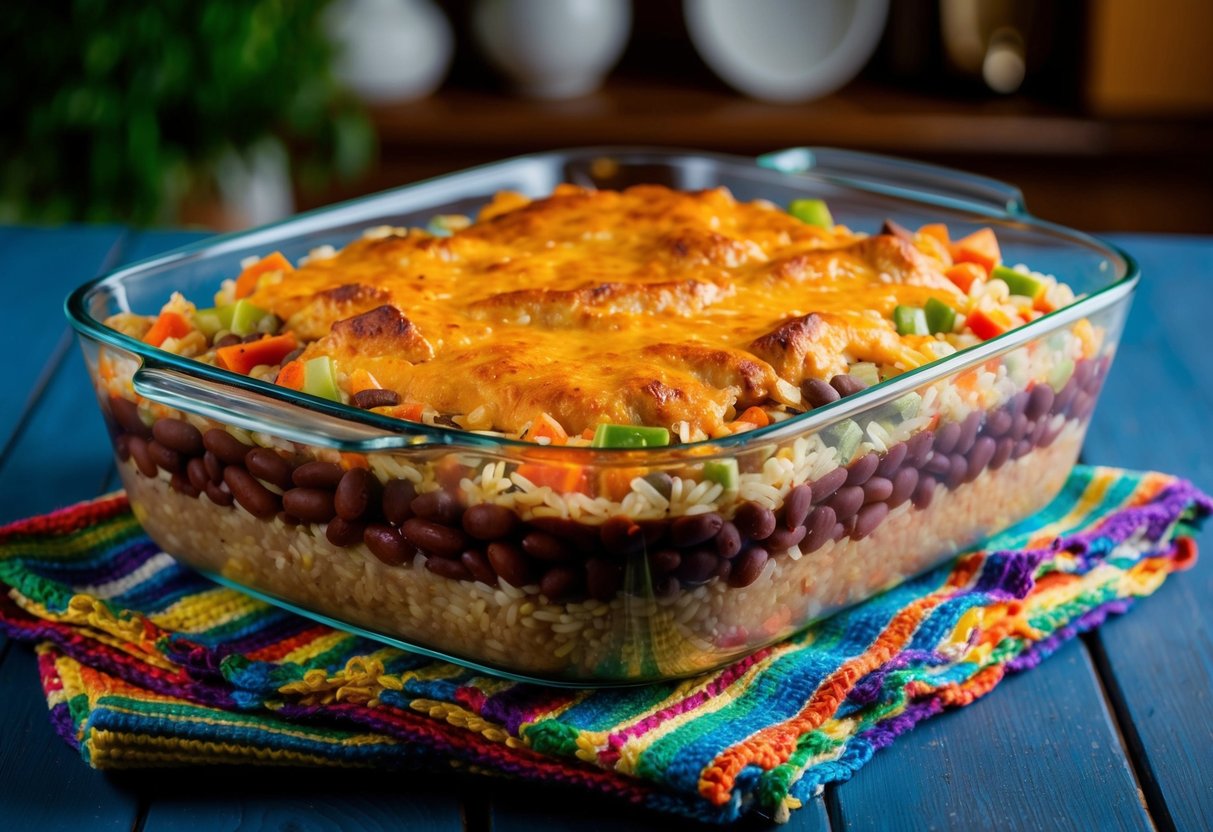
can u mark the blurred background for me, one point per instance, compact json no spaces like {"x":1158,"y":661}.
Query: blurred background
{"x":230,"y":113}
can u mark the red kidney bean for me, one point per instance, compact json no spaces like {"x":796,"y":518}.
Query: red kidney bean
{"x":698,"y":565}
{"x":1002,"y":452}
{"x":903,"y":486}
{"x":998,"y":423}
{"x":918,"y":448}
{"x":877,"y":490}
{"x":357,"y":491}
{"x":796,"y":506}
{"x":847,"y":385}
{"x":1017,"y":403}
{"x":959,"y":469}
{"x":862,"y":468}
{"x":166,"y":458}
{"x":258,"y":500}
{"x":578,"y":535}
{"x":366,"y":399}
{"x":344,"y":533}
{"x":846,"y":501}
{"x":724,"y":568}
{"x":661,"y":481}
{"x":1039,"y":401}
{"x":666,"y":586}
{"x":311,"y":505}
{"x":1084,"y":404}
{"x":126,"y":414}
{"x":891,"y":461}
{"x":839,"y":532}
{"x":979,"y":457}
{"x":728,"y":541}
{"x":818,"y":393}
{"x":622,"y":536}
{"x":222,"y":444}
{"x":946,"y":438}
{"x":754,"y":521}
{"x":546,"y":547}
{"x":143,"y":460}
{"x":214,"y":468}
{"x":868,"y":519}
{"x":1021,"y":426}
{"x":317,"y":474}
{"x":560,"y":582}
{"x":267,"y":465}
{"x":433,"y":538}
{"x":179,"y":436}
{"x":289,"y":519}
{"x":848,"y":525}
{"x":924,"y":492}
{"x":664,"y":561}
{"x":653,"y":530}
{"x":819,"y":526}
{"x":783,"y":539}
{"x":939,"y":464}
{"x":384,"y":541}
{"x":181,"y":484}
{"x":748,"y":567}
{"x":487,"y":521}
{"x":1022,"y":448}
{"x":1065,"y":398}
{"x":1083,"y":371}
{"x":968,"y":432}
{"x":122,"y":447}
{"x":509,"y":563}
{"x":602,"y":578}
{"x":398,"y":496}
{"x":195,"y":469}
{"x":439,"y":506}
{"x":691,"y":530}
{"x":1051,"y":433}
{"x":219,"y":493}
{"x":827,"y":484}
{"x":453,"y":570}
{"x":478,"y":566}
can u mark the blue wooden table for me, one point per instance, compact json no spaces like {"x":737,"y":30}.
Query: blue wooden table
{"x":1115,"y":731}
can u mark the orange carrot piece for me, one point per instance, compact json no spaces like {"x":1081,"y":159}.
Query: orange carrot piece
{"x":545,"y":426}
{"x":270,"y":350}
{"x":939,"y":231}
{"x":617,"y":482}
{"x":247,"y":281}
{"x":560,"y":477}
{"x":755,"y":416}
{"x":964,"y":275}
{"x":168,"y":325}
{"x":361,"y":380}
{"x":291,"y":375}
{"x":980,"y":247}
{"x":409,"y":412}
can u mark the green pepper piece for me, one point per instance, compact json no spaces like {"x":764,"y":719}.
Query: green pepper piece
{"x":208,"y":322}
{"x":940,"y":316}
{"x":320,"y":378}
{"x":629,"y":436}
{"x":245,"y":317}
{"x":1060,"y":374}
{"x":866,"y":372}
{"x":845,"y":436}
{"x":812,"y":212}
{"x":910,"y":320}
{"x":1018,"y":282}
{"x":723,"y":471}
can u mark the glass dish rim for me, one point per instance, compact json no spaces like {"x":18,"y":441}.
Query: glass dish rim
{"x":417,"y":436}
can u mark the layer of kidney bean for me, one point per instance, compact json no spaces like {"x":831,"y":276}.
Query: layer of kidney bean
{"x":569,"y":560}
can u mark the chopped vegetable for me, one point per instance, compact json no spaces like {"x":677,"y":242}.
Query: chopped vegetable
{"x":723,"y":471}
{"x":940,"y":316}
{"x":629,"y":436}
{"x":361,"y":380}
{"x":560,"y":477}
{"x":812,"y":212}
{"x":291,"y":375}
{"x":866,"y":372}
{"x":410,"y":412}
{"x":168,"y":325}
{"x":320,"y":378}
{"x":755,"y":416}
{"x":1060,"y":374}
{"x":545,"y":426}
{"x":980,"y":247}
{"x":270,"y":350}
{"x":845,"y":437}
{"x":939,"y":231}
{"x":907,"y":406}
{"x":910,"y":320}
{"x":1017,"y":367}
{"x":1020,"y":283}
{"x":211,"y":321}
{"x":986,"y":324}
{"x":964,"y":275}
{"x":245,"y":318}
{"x":246,"y":283}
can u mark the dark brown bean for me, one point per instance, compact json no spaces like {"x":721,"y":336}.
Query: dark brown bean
{"x":122,"y":447}
{"x":748,"y":567}
{"x":181,"y":484}
{"x":311,"y":505}
{"x":691,"y":530}
{"x":452,"y":570}
{"x":903,"y":486}
{"x":219,"y":493}
{"x":433,"y":538}
{"x":969,"y":429}
{"x":1039,"y":401}
{"x":317,"y":474}
{"x":819,"y":526}
{"x":939,"y":464}
{"x":818,"y":393}
{"x":602,"y":578}
{"x":754,"y":521}
{"x":896,"y":229}
{"x":580,"y":537}
{"x":384,"y":541}
{"x":267,"y":465}
{"x":868,"y":519}
{"x":979,"y":457}
{"x":222,"y":444}
{"x":728,"y":541}
{"x":846,"y":501}
{"x":847,"y":385}
{"x":918,"y":448}
{"x":946,"y":438}
{"x":229,"y":339}
{"x":664,"y":561}
{"x":796,"y":506}
{"x":344,"y":533}
{"x":179,"y":436}
{"x":439,"y":506}
{"x":825,"y":487}
{"x":126,"y":414}
{"x":862,"y":468}
{"x":661,"y":481}
{"x":622,"y":536}
{"x":924,"y":492}
{"x":877,"y":490}
{"x":195,"y":469}
{"x":783,"y":539}
{"x":139,"y":453}
{"x":509,"y":563}
{"x":890,"y":463}
{"x":291,"y":356}
{"x":256,"y":499}
{"x":1002,"y":452}
{"x":560,"y":582}
{"x":546,"y":547}
{"x":366,"y":399}
{"x":165,"y":458}
{"x":698,"y":565}
{"x":398,"y":496}
{"x":487,"y":521}
{"x":477,"y":564}
{"x":214,"y":468}
{"x":357,"y":491}
{"x":998,"y":423}
{"x":960,"y":468}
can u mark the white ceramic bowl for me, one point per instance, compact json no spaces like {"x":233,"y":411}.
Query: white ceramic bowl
{"x":786,"y":50}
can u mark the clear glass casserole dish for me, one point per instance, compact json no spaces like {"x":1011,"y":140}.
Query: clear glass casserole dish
{"x":536,"y":565}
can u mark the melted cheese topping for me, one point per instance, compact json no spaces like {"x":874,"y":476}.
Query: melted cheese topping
{"x":647,"y":306}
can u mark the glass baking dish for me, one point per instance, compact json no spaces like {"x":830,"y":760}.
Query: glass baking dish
{"x":595,"y":566}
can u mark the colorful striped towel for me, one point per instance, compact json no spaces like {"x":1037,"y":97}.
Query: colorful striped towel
{"x":145,"y":663}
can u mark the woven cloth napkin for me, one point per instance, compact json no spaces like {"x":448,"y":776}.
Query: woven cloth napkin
{"x":145,"y":663}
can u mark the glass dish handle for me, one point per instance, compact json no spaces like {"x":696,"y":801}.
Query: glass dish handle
{"x":257,"y":412}
{"x":899,"y":178}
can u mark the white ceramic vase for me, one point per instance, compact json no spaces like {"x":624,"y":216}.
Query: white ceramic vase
{"x":390,"y":50}
{"x":552,"y":48}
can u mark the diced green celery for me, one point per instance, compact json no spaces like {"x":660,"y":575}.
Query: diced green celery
{"x":1060,"y":374}
{"x":845,"y":437}
{"x":865,"y":371}
{"x":245,"y":317}
{"x":208,"y":322}
{"x":629,"y":436}
{"x":910,"y":320}
{"x":1018,"y":282}
{"x":907,"y":406}
{"x":723,"y":471}
{"x":320,"y":378}
{"x":1017,"y":366}
{"x":940,"y":316}
{"x":812,"y":212}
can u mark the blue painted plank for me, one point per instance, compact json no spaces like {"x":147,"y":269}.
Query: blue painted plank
{"x":1154,"y":413}
{"x":1039,"y":752}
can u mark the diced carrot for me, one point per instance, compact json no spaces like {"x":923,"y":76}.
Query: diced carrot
{"x":270,"y":350}
{"x":588,"y":433}
{"x":980,"y":247}
{"x":964,"y":275}
{"x":545,"y":426}
{"x":349,"y":460}
{"x":1087,"y":336}
{"x":988,"y":323}
{"x":755,"y":416}
{"x":939,"y":231}
{"x":561,"y":477}
{"x":291,"y":375}
{"x":617,"y":482}
{"x":361,"y":380}
{"x":409,"y":412}
{"x":247,"y":281}
{"x":168,"y":325}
